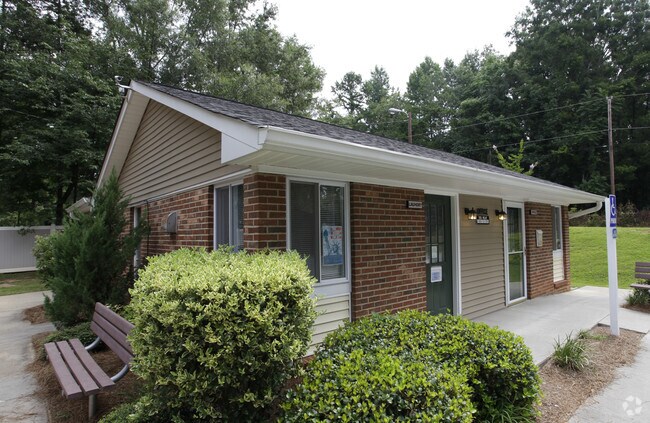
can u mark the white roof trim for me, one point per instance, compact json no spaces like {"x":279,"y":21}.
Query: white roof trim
{"x":241,"y":141}
{"x":313,"y":145}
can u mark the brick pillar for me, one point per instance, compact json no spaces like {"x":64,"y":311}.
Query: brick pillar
{"x":539,"y":260}
{"x":265,"y":211}
{"x":388,"y":250}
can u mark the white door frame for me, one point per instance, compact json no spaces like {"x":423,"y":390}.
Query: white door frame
{"x":520,"y":206}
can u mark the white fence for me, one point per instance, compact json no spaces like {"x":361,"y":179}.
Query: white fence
{"x":16,"y":246}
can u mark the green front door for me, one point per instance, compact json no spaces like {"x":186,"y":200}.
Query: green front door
{"x":440,"y":289}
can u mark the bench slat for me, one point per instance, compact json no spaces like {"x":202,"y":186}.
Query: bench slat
{"x":100,"y":377}
{"x":118,"y":348}
{"x":640,"y":286}
{"x":65,"y":378}
{"x":642,"y":275}
{"x":80,"y":373}
{"x":113,"y":318}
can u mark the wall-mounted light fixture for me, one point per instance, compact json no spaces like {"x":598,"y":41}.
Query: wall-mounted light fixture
{"x":471,"y":213}
{"x":501,"y":215}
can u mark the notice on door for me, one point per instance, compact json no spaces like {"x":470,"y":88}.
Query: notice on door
{"x":436,"y":274}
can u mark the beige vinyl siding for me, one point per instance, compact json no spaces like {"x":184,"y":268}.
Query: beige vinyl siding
{"x":332,"y":313}
{"x":481,"y":259}
{"x":171,"y":152}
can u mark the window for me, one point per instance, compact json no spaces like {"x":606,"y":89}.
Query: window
{"x":137,"y":256}
{"x":557,"y":228}
{"x":318,"y":229}
{"x":229,"y":216}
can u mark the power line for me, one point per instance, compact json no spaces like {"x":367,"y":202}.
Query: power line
{"x":527,"y":114}
{"x":630,"y":128}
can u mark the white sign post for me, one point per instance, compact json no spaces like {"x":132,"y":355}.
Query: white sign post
{"x":612,"y":265}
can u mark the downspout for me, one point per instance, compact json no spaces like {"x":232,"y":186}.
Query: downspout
{"x":585,"y":212}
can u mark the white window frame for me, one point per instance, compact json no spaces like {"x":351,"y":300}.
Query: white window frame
{"x":559,"y":223}
{"x":230,"y":215}
{"x":328,"y":287}
{"x":137,"y":255}
{"x":522,"y":207}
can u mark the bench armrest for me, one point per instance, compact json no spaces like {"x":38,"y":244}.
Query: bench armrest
{"x":94,"y":344}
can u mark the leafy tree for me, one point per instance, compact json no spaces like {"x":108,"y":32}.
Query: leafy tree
{"x":58,"y":108}
{"x":88,"y":261}
{"x":569,"y":56}
{"x":223,"y":47}
{"x":513,"y":161}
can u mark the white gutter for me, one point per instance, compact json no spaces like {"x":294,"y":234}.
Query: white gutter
{"x":313,"y":145}
{"x":585,"y":212}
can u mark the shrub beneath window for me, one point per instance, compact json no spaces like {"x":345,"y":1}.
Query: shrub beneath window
{"x":378,"y":387}
{"x":217,"y":334}
{"x":497,"y":364}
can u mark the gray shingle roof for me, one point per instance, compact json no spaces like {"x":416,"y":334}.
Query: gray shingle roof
{"x":264,"y":117}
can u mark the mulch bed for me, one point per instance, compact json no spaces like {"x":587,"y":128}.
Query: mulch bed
{"x":35,"y":315}
{"x":643,"y":308}
{"x":62,"y":410}
{"x":566,"y":390}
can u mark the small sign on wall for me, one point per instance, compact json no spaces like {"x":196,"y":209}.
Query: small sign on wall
{"x":482,"y":217}
{"x":436,"y":274}
{"x":414,"y":204}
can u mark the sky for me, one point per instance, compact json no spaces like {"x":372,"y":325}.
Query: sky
{"x":356,"y":35}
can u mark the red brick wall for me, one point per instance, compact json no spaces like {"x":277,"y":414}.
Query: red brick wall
{"x":388,"y":249}
{"x":265,"y":212}
{"x":539,"y":260}
{"x":195,"y":222}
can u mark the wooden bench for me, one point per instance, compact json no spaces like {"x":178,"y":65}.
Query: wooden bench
{"x":76,"y":370}
{"x":642,"y":271}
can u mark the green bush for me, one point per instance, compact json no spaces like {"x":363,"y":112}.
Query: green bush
{"x":88,"y":261}
{"x":218,"y":334}
{"x":571,"y":354}
{"x":638,"y":297}
{"x":81,"y":331}
{"x":133,"y":412}
{"x":497,"y":364}
{"x":378,"y":387}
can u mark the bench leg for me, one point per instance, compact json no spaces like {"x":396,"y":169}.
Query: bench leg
{"x":92,"y":404}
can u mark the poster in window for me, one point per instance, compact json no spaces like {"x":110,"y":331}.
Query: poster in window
{"x":332,"y":244}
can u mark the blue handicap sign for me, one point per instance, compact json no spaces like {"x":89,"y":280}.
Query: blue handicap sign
{"x":612,"y":211}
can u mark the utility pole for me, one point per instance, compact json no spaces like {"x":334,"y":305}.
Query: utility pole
{"x":611,"y":145}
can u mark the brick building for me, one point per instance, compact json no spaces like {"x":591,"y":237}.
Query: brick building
{"x":384,"y":225}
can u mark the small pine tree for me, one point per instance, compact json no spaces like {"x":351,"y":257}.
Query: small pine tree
{"x":90,"y":260}
{"x":513,"y":162}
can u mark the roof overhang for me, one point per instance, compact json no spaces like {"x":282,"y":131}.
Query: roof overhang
{"x":280,"y":150}
{"x":285,"y":151}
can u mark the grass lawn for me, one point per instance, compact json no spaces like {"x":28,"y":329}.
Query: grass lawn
{"x":19,"y":283}
{"x":589,"y":255}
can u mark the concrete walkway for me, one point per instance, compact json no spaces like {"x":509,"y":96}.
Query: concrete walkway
{"x":544,"y":320}
{"x":17,"y":386}
{"x":627,"y":399}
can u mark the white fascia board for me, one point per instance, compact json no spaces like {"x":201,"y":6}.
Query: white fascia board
{"x":238,"y":137}
{"x":281,"y":139}
{"x":126,"y":127}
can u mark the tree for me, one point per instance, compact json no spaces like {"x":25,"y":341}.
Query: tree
{"x":227,"y":48}
{"x":58,"y":107}
{"x":88,"y":261}
{"x":569,"y":56}
{"x":513,"y":161}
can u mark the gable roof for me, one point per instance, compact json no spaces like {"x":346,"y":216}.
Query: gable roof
{"x":262,"y":117}
{"x":269,"y":139}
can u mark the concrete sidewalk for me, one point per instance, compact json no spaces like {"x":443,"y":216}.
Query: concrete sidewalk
{"x":543,"y":320}
{"x":626,"y":399}
{"x":17,"y":386}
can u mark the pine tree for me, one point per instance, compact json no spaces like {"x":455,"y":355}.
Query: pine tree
{"x":89,"y":260}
